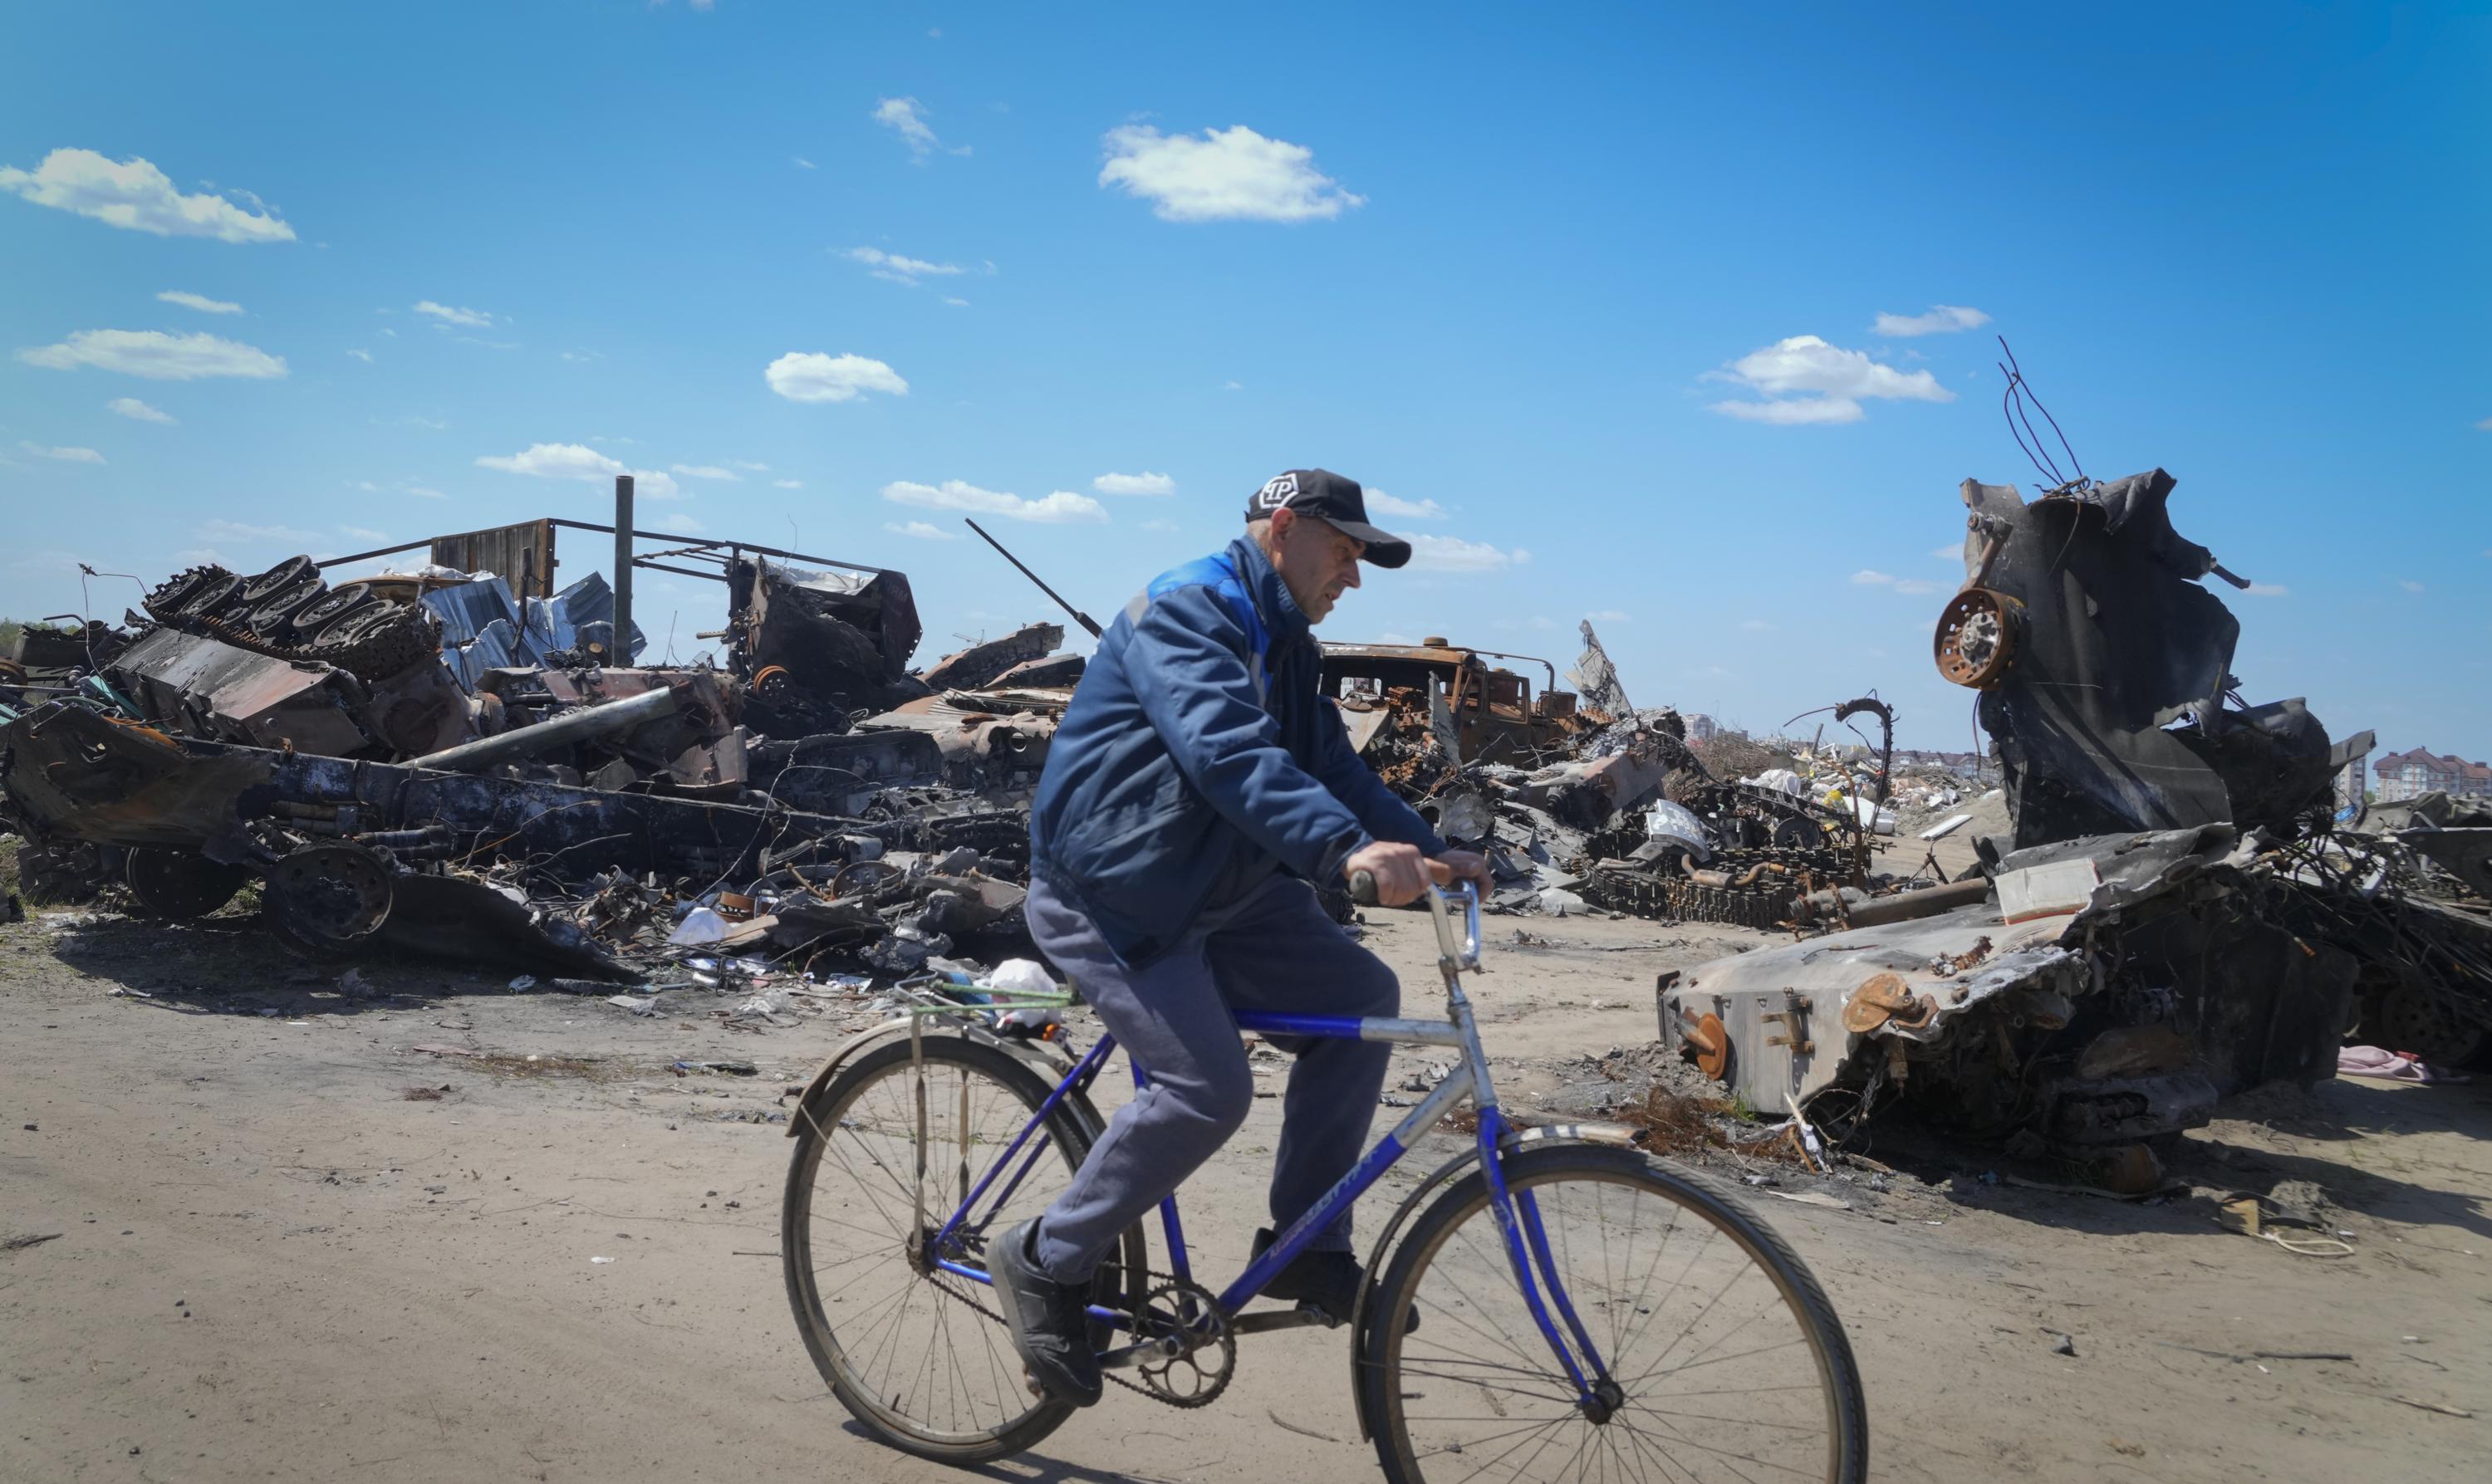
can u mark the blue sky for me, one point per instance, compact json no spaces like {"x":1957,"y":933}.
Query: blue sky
{"x":1509,"y":265}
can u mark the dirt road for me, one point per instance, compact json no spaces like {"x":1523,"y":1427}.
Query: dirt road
{"x":291,"y":1247}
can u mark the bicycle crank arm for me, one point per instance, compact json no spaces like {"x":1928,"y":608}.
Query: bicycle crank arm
{"x":1282,"y":1319}
{"x":1141,"y":1352}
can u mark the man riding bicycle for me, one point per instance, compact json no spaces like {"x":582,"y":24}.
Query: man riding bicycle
{"x":1197,"y":786}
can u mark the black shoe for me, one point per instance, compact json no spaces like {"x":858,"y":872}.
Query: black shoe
{"x":1328,"y":1281}
{"x":1049,"y":1321}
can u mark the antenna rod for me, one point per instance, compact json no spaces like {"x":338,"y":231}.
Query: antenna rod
{"x":1079,"y":616}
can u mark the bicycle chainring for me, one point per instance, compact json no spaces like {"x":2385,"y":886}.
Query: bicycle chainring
{"x":1197,"y":1373}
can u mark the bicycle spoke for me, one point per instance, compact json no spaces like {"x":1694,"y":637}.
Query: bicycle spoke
{"x":1683,"y":1294}
{"x":917,"y":1346}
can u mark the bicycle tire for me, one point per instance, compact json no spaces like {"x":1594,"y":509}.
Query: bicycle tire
{"x":1388,"y":1381}
{"x":1075,"y":1125}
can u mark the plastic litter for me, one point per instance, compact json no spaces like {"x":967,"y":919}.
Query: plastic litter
{"x":700,"y":925}
{"x":1021,"y":976}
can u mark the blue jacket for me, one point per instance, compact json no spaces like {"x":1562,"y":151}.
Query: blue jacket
{"x":1199,"y":756}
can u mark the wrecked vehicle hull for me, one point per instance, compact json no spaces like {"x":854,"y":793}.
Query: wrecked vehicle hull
{"x":2138,"y":993}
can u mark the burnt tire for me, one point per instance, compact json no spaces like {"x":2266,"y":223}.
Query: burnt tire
{"x":377,"y":640}
{"x":321,"y":611}
{"x":288,"y":574}
{"x":164,"y":602}
{"x":274,"y":616}
{"x":215,"y":598}
{"x":180,"y":886}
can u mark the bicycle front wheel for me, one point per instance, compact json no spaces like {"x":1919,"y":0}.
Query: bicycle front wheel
{"x":918,"y":1353}
{"x":1728,"y":1363}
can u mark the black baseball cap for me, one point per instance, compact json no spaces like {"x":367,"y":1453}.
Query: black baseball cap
{"x":1338,"y":502}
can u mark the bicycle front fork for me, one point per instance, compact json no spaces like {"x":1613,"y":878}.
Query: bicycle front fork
{"x":1526,"y":1251}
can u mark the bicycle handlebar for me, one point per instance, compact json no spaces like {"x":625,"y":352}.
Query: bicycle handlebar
{"x":1362,"y":890}
{"x":1362,"y":883}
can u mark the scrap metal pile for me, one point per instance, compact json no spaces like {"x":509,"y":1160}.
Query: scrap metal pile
{"x":431,"y":763}
{"x":1585,"y":804}
{"x":2177,"y":911}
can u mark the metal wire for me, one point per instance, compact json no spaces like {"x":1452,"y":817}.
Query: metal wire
{"x":2012,"y":405}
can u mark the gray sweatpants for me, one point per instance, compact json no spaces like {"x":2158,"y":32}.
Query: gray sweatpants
{"x":1273,"y":951}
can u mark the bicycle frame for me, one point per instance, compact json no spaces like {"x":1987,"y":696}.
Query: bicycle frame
{"x":1517,"y":1214}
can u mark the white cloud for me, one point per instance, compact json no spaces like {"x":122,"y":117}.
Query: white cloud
{"x":801,"y":163}
{"x":156,"y":355}
{"x":2267,"y":590}
{"x":1158,"y":525}
{"x":787,"y":484}
{"x":1868,"y":578}
{"x":363,"y":534}
{"x":1233,"y":386}
{"x":1793,"y":410}
{"x":1378,"y":503}
{"x":2409,"y":584}
{"x":452,"y":315}
{"x":1914,"y":585}
{"x":748,"y":466}
{"x":575,"y":357}
{"x":134,"y":193}
{"x":238,"y":533}
{"x":575,"y":461}
{"x":366,"y":485}
{"x":1227,"y":175}
{"x":813,"y":376}
{"x":132,"y":407}
{"x":1952,"y":551}
{"x":681,"y":524}
{"x":907,"y":118}
{"x":364,"y":356}
{"x":1806,"y":380}
{"x":64,"y":455}
{"x":1134,"y":483}
{"x":423,"y":494}
{"x":1059,"y":507}
{"x":958,"y":304}
{"x":2485,"y":424}
{"x":200,"y":302}
{"x":1942,"y":319}
{"x":898,"y":269}
{"x":428,"y":423}
{"x":918,"y":529}
{"x":1608,"y":615}
{"x":1452,"y":553}
{"x":706,"y":471}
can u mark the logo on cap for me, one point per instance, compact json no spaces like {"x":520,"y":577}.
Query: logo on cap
{"x":1279,"y":493}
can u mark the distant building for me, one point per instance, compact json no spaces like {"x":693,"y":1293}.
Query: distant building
{"x":2405,"y":775}
{"x":1701,"y":728}
{"x":2352,"y":784}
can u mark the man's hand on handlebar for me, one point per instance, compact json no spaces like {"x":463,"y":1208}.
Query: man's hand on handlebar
{"x":1401,"y":873}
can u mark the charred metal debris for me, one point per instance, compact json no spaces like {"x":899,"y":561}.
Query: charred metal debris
{"x":2178,"y":905}
{"x":456,"y":762}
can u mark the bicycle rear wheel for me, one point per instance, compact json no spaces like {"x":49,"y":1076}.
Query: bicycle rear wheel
{"x":916,"y":1353}
{"x":1728,"y":1362}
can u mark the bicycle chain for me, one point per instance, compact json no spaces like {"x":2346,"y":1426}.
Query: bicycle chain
{"x":1162,"y":1281}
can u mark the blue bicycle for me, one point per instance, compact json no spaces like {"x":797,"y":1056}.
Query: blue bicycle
{"x":1590,"y":1310}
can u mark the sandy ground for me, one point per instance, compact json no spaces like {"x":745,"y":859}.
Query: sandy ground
{"x":272,"y":1262}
